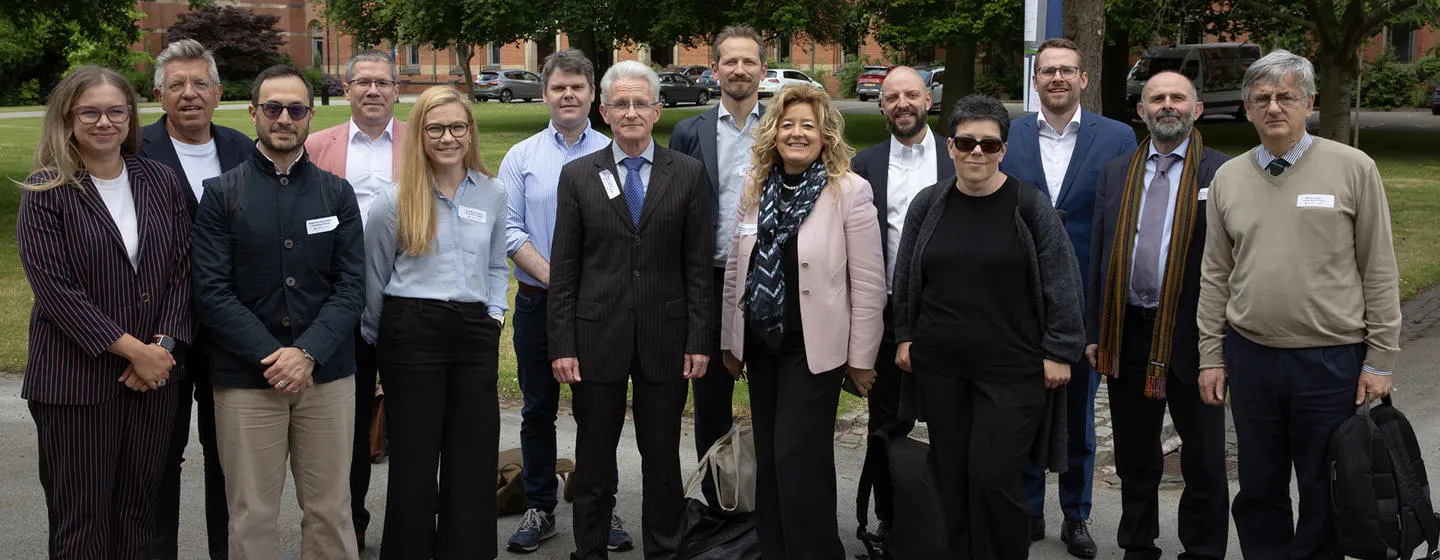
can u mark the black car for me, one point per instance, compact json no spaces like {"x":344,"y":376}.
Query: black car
{"x":676,"y":88}
{"x":711,"y":84}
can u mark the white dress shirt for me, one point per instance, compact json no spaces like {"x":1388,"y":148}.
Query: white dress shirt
{"x":121,"y":204}
{"x":369,"y":165}
{"x":1173,"y":175}
{"x":912,"y":168}
{"x":1056,"y":147}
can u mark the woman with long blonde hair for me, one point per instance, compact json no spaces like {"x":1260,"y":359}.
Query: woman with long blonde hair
{"x":104,"y":238}
{"x":804,"y":295}
{"x":436,"y":283}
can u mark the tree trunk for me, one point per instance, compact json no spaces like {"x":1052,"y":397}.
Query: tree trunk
{"x":1084,"y":23}
{"x":603,"y":57}
{"x":959,"y":75}
{"x":1336,"y":91}
{"x":1116,"y":60}
{"x":465,"y":52}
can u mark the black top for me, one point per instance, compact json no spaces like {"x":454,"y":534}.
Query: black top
{"x":977,"y":316}
{"x":790,"y":263}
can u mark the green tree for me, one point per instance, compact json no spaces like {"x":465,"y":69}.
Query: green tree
{"x":957,"y":25}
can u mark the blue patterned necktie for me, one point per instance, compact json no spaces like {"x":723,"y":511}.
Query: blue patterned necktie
{"x":634,"y":189}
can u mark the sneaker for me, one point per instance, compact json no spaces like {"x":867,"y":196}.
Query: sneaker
{"x":619,"y":539}
{"x":535,"y":526}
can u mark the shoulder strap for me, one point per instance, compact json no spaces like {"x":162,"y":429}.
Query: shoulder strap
{"x":232,"y":187}
{"x":1027,"y":207}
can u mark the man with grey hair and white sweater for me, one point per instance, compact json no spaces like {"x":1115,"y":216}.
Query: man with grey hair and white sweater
{"x":1299,"y":308}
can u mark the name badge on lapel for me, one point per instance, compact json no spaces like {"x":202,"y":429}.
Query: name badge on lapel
{"x":473,"y":215}
{"x":612,"y":188}
{"x":321,"y":225}
{"x":743,"y":230}
{"x":1204,"y":194}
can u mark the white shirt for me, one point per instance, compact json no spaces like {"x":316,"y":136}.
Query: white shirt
{"x":121,"y":203}
{"x":1056,"y":147}
{"x":368,"y":165}
{"x":200,"y":162}
{"x":912,"y":168}
{"x":1173,"y":175}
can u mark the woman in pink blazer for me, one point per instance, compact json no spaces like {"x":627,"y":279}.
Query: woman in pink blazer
{"x":804,"y":294}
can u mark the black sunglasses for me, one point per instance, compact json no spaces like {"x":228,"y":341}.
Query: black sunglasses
{"x":272,"y":110}
{"x":967,"y":144}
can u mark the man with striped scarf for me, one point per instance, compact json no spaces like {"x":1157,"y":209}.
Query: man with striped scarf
{"x":1140,"y":319}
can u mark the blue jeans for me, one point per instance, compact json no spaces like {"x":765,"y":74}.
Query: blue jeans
{"x":1078,"y":480}
{"x":542,"y":402}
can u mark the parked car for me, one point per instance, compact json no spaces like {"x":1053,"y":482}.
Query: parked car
{"x":935,"y":80}
{"x":867,"y":86}
{"x":692,"y":71}
{"x":507,"y":85}
{"x":712,"y":85}
{"x":777,"y":79}
{"x":1435,"y":101}
{"x":676,"y":88}
{"x":1216,"y":70}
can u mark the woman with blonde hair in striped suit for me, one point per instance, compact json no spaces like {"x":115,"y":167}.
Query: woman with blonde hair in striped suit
{"x":104,"y":238}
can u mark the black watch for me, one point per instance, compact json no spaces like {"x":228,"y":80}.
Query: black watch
{"x":165,"y":342}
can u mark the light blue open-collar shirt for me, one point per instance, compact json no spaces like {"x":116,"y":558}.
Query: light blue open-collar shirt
{"x":466,"y":261}
{"x":531,"y":174}
{"x":732,"y":154}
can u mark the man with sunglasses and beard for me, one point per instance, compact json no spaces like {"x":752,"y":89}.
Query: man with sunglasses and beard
{"x":1140,"y":322}
{"x":1061,"y":150}
{"x":278,"y":262}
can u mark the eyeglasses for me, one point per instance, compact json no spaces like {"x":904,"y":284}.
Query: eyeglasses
{"x":624,"y":107}
{"x":437,"y":131}
{"x":365,"y":84}
{"x":966,"y":144}
{"x":1066,"y":72}
{"x":118,"y":114}
{"x":272,"y":110}
{"x":1263,"y":100}
{"x":178,"y":87}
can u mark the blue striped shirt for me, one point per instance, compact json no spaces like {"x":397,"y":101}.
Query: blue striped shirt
{"x":1264,"y":158}
{"x":531,"y":174}
{"x":466,"y":262}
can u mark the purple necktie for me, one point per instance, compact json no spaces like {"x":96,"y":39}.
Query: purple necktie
{"x":1145,"y":280}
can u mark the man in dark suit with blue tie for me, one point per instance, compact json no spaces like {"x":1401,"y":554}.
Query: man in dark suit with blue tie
{"x":630,"y":308}
{"x":1061,"y":150}
{"x":188,"y":142}
{"x":721,"y":138}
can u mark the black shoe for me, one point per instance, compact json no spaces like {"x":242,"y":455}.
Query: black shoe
{"x":1076,"y":536}
{"x":1037,"y":529}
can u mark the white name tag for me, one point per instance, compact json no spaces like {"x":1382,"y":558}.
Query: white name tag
{"x":743,"y":170}
{"x":321,"y":225}
{"x":746,"y":229}
{"x":1315,"y":201}
{"x":473,"y":215}
{"x":612,"y":188}
{"x":1204,"y":194}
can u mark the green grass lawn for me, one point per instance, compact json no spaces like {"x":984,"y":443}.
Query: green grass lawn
{"x":1406,"y":159}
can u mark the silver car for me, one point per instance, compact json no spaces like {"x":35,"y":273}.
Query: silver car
{"x":507,"y":85}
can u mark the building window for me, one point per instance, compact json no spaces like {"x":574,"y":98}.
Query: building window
{"x":782,"y":48}
{"x":412,"y":55}
{"x":317,"y":45}
{"x":494,"y":54}
{"x":1402,"y":40}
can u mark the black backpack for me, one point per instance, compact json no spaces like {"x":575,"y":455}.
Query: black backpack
{"x":1380,"y":497}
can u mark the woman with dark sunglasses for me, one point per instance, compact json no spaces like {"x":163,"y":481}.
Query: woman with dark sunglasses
{"x":987,"y":318}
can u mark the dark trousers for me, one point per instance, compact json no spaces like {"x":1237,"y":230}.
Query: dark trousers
{"x":794,"y":428}
{"x":980,"y":438}
{"x":365,"y":369}
{"x":599,"y":418}
{"x":541,"y":400}
{"x":884,"y":406}
{"x":438,"y":361}
{"x":713,"y":394}
{"x":1204,"y":514}
{"x":1078,"y":480}
{"x":167,"y":509}
{"x":1286,"y":403}
{"x":99,"y":468}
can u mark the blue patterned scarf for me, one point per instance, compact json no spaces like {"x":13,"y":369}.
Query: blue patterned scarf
{"x":765,"y":286}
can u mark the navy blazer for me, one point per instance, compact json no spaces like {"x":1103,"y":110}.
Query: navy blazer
{"x":696,"y":137}
{"x":232,"y":146}
{"x":87,"y":294}
{"x":264,"y":279}
{"x":1185,"y":352}
{"x":1100,"y":140}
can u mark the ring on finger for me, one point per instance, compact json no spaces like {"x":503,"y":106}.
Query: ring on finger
{"x":282,"y":384}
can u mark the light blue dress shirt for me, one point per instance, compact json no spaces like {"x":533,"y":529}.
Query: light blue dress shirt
{"x":531,"y":174}
{"x":732,"y":152}
{"x":620,"y":155}
{"x":1173,"y":174}
{"x":466,"y":262}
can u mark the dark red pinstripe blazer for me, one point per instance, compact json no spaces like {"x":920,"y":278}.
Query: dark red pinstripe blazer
{"x":86,"y":292}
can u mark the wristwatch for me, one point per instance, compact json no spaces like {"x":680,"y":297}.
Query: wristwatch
{"x":164,"y":341}
{"x":307,"y":354}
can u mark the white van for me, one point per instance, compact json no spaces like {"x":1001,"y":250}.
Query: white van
{"x":1216,"y":69}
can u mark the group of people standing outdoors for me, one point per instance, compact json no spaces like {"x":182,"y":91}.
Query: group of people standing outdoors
{"x":983,"y":276}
